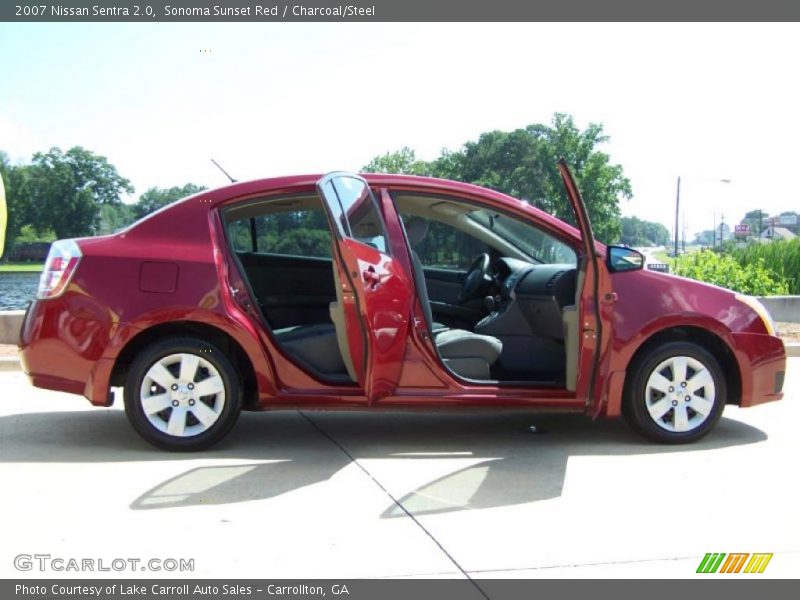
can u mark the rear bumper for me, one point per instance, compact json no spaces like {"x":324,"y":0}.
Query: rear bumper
{"x":762,"y":364}
{"x":62,"y":352}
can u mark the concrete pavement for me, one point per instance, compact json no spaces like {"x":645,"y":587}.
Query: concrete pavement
{"x":340,"y":495}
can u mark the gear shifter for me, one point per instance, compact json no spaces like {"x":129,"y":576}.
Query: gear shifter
{"x":489,"y":303}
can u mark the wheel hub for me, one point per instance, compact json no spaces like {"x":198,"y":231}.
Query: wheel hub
{"x":182,"y":394}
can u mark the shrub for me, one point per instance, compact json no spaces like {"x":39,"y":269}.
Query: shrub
{"x":781,"y":257}
{"x":723,"y":270}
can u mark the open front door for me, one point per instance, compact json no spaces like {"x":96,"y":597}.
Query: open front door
{"x":374,"y":292}
{"x":594,"y":307}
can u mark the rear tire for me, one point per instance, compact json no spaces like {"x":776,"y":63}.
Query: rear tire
{"x":182,"y":394}
{"x":675,"y":393}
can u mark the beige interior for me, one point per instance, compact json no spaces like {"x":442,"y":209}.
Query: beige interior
{"x":337,"y":316}
{"x":571,"y":318}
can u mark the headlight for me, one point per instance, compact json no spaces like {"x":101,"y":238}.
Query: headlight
{"x":761,"y":311}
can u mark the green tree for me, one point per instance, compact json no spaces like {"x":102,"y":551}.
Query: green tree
{"x":17,"y":206}
{"x":303,"y":242}
{"x":155,"y":198}
{"x":114,"y":217}
{"x":401,"y":161}
{"x":637,"y":232}
{"x":602,"y":183}
{"x":65,"y":190}
{"x":705,"y":238}
{"x":522,"y":163}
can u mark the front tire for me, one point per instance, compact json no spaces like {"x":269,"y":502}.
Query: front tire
{"x":675,"y":393}
{"x":182,"y":394}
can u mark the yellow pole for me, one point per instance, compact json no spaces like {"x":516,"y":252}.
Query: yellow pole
{"x":3,"y":215}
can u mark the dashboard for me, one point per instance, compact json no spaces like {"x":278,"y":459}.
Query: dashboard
{"x":529,"y":298}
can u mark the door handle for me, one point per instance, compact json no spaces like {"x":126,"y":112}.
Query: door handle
{"x":610,"y":298}
{"x":371,"y":277}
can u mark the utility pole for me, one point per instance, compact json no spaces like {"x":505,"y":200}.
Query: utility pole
{"x":683,"y":234}
{"x":721,"y":223}
{"x":677,"y":209}
{"x":714,"y":232}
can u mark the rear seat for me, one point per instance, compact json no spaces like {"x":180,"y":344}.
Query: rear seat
{"x":315,"y":345}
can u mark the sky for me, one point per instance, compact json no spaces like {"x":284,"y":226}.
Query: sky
{"x":705,"y":102}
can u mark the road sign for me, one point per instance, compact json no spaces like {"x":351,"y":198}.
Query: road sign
{"x":660,"y":267}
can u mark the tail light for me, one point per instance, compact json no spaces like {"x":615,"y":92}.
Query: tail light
{"x":62,"y":261}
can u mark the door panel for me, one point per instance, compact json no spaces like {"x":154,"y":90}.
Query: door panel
{"x":444,"y":285}
{"x":376,"y":291}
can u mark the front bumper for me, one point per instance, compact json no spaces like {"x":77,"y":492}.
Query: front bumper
{"x":762,"y":364}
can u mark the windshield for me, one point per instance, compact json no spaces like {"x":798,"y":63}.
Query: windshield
{"x":535,"y":243}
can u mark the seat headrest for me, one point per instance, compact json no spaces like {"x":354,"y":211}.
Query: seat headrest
{"x":416,"y":230}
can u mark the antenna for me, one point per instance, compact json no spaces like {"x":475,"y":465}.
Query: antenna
{"x":216,"y":164}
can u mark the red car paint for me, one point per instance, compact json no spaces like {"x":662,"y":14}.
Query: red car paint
{"x":174,"y":268}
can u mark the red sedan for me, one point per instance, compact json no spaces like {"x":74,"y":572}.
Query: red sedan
{"x":386,"y":292}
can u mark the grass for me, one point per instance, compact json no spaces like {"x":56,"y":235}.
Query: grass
{"x":21,"y":267}
{"x":780,"y":257}
{"x":661,"y":256}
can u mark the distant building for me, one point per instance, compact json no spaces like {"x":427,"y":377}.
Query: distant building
{"x":789,"y":222}
{"x":777,"y":233}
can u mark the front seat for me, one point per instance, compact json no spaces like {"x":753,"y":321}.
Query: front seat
{"x":465,"y":353}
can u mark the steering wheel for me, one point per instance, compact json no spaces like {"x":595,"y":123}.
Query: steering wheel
{"x":477,"y":274}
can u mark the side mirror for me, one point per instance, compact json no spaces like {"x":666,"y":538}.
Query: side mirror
{"x":623,"y":258}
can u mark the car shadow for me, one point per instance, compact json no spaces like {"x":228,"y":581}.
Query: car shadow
{"x":270,"y":454}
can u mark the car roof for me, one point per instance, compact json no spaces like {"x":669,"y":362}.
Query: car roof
{"x":291,"y":184}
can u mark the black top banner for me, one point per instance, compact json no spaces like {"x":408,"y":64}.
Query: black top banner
{"x":146,"y":11}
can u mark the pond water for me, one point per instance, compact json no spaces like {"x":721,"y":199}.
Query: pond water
{"x":17,"y":289}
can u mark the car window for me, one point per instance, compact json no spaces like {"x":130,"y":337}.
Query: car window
{"x":445,"y":247}
{"x":534,"y":242}
{"x":293,"y":232}
{"x":466,"y":230}
{"x":356,"y":213}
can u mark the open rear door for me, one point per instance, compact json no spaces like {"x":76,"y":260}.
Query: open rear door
{"x":594,"y":323}
{"x":374,"y":291}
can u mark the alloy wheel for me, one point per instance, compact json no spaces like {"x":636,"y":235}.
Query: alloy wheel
{"x":680,"y":394}
{"x":182,"y":395}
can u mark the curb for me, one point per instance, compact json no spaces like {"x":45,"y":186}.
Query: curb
{"x":9,"y":363}
{"x":792,"y":349}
